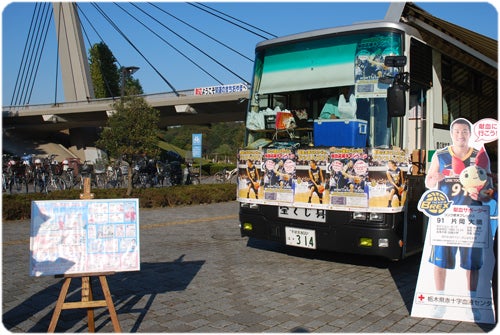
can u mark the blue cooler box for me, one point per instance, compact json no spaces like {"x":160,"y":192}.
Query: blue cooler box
{"x":340,"y":133}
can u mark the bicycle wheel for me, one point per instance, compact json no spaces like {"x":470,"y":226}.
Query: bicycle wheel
{"x":219,"y":177}
{"x":100,"y":180}
{"x":19,"y":184}
{"x":233,"y":179}
{"x":11,"y":183}
{"x":195,"y":180}
{"x":61,"y":184}
{"x":25,"y":184}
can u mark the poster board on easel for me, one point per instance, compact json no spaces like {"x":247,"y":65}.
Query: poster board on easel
{"x":84,"y":236}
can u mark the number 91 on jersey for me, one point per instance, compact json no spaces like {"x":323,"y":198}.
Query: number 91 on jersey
{"x":303,"y":238}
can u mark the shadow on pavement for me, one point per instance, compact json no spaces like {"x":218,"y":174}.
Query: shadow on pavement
{"x":127,"y":289}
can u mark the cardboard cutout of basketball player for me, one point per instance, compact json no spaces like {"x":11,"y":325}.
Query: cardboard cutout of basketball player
{"x":457,"y":264}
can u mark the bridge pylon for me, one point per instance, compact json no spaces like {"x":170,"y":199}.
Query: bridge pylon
{"x":75,"y":69}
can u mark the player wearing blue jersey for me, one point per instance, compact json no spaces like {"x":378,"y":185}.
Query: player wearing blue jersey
{"x":444,"y":171}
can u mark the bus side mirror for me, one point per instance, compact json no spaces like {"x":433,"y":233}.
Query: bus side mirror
{"x":396,"y":100}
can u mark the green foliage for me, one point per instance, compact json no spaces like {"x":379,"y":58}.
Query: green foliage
{"x":132,"y":86}
{"x":18,"y":206}
{"x":104,"y":72}
{"x":132,"y":130}
{"x":221,"y":139}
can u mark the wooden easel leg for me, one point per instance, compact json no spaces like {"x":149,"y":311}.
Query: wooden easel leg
{"x":87,"y":302}
{"x":87,"y":296}
{"x":59,"y":305}
{"x":111,"y":307}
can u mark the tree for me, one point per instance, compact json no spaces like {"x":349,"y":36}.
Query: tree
{"x":132,"y":85}
{"x":132,"y":131}
{"x":104,"y":72}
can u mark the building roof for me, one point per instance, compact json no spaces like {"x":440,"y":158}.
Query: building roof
{"x":423,"y":21}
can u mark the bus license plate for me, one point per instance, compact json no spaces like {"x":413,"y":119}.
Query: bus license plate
{"x":303,"y":238}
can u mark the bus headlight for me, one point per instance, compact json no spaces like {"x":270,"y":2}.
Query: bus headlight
{"x":359,"y":216}
{"x":383,"y":242}
{"x":377,"y":217}
{"x":249,"y":205}
{"x":364,"y":216}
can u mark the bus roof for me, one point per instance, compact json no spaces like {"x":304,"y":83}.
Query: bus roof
{"x":417,"y":22}
{"x":320,"y":33}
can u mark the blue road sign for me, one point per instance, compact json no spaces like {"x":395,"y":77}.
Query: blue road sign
{"x":196,"y":145}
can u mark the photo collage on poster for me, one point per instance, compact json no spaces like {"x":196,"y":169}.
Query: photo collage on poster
{"x":369,"y":65}
{"x":84,"y":236}
{"x":328,"y":178}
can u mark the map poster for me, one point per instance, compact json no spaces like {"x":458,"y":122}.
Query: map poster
{"x":84,"y":236}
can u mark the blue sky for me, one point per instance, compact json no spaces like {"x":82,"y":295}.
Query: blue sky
{"x":278,"y":18}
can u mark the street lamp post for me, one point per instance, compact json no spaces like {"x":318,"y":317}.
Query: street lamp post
{"x":126,"y":72}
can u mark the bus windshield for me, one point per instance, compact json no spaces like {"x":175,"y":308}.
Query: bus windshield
{"x":312,"y":77}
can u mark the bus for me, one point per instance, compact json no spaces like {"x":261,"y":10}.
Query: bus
{"x":351,"y":183}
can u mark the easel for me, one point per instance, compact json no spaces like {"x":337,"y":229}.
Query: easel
{"x":87,"y":300}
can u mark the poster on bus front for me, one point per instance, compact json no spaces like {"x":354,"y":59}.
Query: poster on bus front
{"x":278,"y":169}
{"x":348,"y":177}
{"x":388,"y":170}
{"x":311,"y":185}
{"x":250,"y":175}
{"x":324,"y":178}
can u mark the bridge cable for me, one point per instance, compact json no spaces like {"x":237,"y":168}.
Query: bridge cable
{"x":196,"y":5}
{"x":57,"y":54}
{"x":27,"y":61}
{"x":48,"y":19}
{"x":248,"y":24}
{"x":194,"y":46}
{"x":133,"y":46}
{"x":30,"y":62}
{"x":106,"y":82}
{"x":14,"y":93}
{"x":169,"y":44}
{"x":202,"y":32}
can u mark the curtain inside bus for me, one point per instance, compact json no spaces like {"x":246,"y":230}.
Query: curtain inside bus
{"x":308,"y":65}
{"x":330,"y":62}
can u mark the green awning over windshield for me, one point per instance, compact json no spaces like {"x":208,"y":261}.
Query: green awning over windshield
{"x":308,"y":65}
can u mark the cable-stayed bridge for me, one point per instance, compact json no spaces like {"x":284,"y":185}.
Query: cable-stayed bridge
{"x":81,"y":111}
{"x":186,"y":108}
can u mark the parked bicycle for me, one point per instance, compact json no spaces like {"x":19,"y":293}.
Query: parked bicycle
{"x":226,"y":176}
{"x":190,"y":176}
{"x":16,"y":178}
{"x":40,"y":177}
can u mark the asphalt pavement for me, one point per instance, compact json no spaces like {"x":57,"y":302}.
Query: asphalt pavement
{"x":198,"y":275}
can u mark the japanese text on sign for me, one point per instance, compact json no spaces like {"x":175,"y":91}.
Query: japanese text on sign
{"x":463,"y":226}
{"x":220,"y":89}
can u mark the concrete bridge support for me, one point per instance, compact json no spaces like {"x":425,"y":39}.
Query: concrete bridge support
{"x":77,"y":82}
{"x":75,"y":70}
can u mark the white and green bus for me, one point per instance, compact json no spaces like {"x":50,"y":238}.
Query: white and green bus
{"x":351,"y":182}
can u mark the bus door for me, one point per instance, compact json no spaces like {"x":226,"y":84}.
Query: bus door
{"x":420,"y":83}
